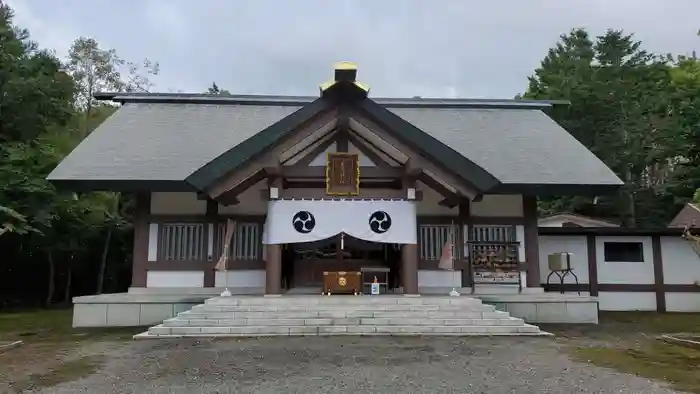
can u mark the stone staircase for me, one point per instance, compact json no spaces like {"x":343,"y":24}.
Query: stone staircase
{"x":340,"y":315}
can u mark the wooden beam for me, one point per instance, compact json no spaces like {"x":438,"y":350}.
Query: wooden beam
{"x":463,"y":186}
{"x":272,"y":154}
{"x":313,"y":153}
{"x":322,"y":185}
{"x":451,"y":200}
{"x":343,"y":125}
{"x":273,"y":171}
{"x":450,"y":203}
{"x":341,"y":139}
{"x":369,"y":143}
{"x":362,"y":147}
{"x":227,"y":200}
{"x":321,"y":192}
{"x":212,"y":208}
{"x":229,"y":197}
{"x":320,"y":172}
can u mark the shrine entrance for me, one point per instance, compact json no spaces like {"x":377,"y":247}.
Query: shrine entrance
{"x":304,"y":263}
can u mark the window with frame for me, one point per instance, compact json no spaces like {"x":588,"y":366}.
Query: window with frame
{"x":492,"y":233}
{"x":623,"y":252}
{"x":246,"y":241}
{"x":181,"y":241}
{"x":432,"y":239}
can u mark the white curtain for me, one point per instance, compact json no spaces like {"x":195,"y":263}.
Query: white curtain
{"x":294,"y":221}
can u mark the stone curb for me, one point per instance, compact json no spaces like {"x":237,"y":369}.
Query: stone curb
{"x":9,"y":346}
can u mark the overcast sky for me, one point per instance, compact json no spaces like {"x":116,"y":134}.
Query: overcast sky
{"x":448,"y":48}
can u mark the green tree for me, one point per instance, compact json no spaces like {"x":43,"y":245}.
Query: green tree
{"x":216,"y":91}
{"x":140,"y":75}
{"x":39,"y":124}
{"x":34,"y":91}
{"x":620,"y":98}
{"x":685,"y":179}
{"x":97,"y":69}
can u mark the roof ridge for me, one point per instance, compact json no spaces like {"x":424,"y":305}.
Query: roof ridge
{"x":260,"y":99}
{"x":596,"y":219}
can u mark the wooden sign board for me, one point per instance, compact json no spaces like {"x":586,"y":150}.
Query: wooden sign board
{"x":342,"y":174}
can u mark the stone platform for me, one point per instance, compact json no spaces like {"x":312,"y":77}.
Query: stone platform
{"x":341,"y":315}
{"x":150,"y":306}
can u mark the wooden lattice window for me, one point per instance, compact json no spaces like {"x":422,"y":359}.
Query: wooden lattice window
{"x":181,"y":241}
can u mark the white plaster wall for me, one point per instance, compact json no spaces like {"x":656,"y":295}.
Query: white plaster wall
{"x":575,"y":244}
{"x":153,"y":242}
{"x":681,"y":263}
{"x":429,"y":205}
{"x":240,"y":278}
{"x":683,"y":302}
{"x":174,"y":278}
{"x":520,"y":237}
{"x":626,"y":301}
{"x":177,"y":203}
{"x":249,"y":203}
{"x":625,"y":272}
{"x":498,"y":205}
{"x":439,"y":278}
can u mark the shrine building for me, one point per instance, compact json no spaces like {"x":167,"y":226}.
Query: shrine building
{"x":339,"y":182}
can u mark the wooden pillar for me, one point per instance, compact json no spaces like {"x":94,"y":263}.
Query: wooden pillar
{"x":464,"y":220}
{"x":273,"y":269}
{"x":211,"y":215}
{"x":139,"y":272}
{"x":273,"y":258}
{"x":592,"y":265}
{"x":658,"y":273}
{"x":409,"y":268}
{"x":532,"y":249}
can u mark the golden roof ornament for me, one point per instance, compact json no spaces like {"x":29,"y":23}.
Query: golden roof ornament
{"x":344,"y":71}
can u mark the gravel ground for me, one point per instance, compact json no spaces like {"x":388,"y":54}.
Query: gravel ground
{"x":351,"y":365}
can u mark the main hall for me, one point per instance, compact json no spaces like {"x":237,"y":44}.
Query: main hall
{"x":279,"y":194}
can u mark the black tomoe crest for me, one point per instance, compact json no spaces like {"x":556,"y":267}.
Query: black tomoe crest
{"x":380,"y":222}
{"x":304,"y":222}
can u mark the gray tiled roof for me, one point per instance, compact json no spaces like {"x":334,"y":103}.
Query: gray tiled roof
{"x":515,"y":145}
{"x":144,"y":141}
{"x":167,"y":141}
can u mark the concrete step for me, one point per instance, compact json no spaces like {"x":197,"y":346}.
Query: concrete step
{"x":317,"y":315}
{"x":165,"y":331}
{"x":176,"y":322}
{"x":292,"y":308}
{"x":344,"y":314}
{"x":341,"y":300}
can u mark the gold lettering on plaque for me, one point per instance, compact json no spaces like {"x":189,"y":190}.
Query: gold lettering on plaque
{"x":342,"y":180}
{"x":342,"y":174}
